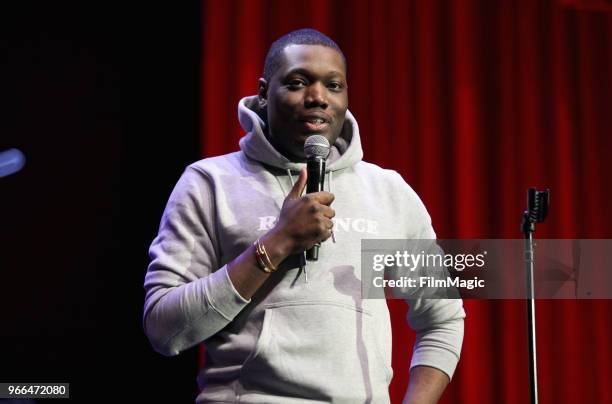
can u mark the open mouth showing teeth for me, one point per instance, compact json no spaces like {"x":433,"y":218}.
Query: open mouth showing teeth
{"x":315,"y":121}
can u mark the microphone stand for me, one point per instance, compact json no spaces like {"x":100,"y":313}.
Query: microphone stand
{"x":537,"y":209}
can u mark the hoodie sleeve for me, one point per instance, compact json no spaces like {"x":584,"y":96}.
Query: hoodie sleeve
{"x":438,"y":323}
{"x":188,"y":298}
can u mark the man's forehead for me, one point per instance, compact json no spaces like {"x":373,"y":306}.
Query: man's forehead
{"x":321,"y":58}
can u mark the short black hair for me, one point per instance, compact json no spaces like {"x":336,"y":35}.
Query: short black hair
{"x":304,"y":36}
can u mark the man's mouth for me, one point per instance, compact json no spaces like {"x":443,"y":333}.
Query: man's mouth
{"x":315,"y":120}
{"x":314,"y":124}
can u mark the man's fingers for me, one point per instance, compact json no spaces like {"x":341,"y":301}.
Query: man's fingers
{"x":323,"y":197}
{"x":327,"y":232}
{"x":299,"y":185}
{"x":328,"y":212}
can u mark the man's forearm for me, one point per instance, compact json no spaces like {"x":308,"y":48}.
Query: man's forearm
{"x":426,"y":385}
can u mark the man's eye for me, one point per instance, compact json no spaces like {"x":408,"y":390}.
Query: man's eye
{"x":335,"y":86}
{"x":296,"y":83}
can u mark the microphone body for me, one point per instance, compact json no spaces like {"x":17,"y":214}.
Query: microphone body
{"x":316,"y":149}
{"x":538,"y":203}
{"x":315,"y":182}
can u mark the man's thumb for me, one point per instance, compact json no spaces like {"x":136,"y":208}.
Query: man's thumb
{"x":299,"y":185}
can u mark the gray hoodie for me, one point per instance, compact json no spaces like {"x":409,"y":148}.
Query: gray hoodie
{"x":306,"y":336}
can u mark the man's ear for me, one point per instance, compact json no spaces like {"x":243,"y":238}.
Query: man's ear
{"x":262,"y":92}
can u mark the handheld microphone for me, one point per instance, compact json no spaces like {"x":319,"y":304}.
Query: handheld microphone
{"x":316,"y":149}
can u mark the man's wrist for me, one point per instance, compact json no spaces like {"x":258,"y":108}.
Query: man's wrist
{"x":263,"y":259}
{"x":277,"y":246}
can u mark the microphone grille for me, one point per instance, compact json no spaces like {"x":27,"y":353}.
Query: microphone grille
{"x":316,"y":146}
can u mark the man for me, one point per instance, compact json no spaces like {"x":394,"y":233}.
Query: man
{"x":227,"y":265}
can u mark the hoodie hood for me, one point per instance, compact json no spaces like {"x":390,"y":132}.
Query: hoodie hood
{"x":344,"y":153}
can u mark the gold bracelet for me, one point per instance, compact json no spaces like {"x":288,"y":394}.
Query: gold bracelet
{"x":262,"y":258}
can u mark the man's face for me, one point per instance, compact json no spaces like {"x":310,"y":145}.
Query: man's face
{"x":307,"y":95}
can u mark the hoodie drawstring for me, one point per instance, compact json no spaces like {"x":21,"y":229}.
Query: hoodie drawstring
{"x":290,"y":178}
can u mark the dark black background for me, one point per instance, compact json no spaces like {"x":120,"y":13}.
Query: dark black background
{"x":103,"y":99}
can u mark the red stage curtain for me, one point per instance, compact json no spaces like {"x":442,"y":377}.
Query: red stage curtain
{"x":472,"y":102}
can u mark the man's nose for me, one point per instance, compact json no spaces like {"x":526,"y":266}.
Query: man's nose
{"x":316,"y":96}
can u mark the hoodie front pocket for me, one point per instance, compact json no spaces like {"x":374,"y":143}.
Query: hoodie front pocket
{"x":322,"y":350}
